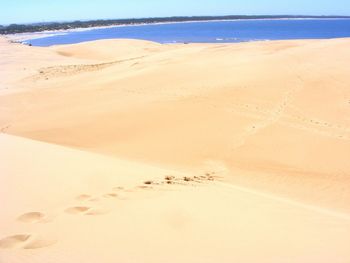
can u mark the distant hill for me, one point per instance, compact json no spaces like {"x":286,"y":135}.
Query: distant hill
{"x":38,"y":27}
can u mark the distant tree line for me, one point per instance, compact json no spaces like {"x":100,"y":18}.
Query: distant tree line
{"x":39,"y":27}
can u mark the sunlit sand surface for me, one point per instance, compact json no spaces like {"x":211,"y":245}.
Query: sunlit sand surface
{"x":132,"y":151}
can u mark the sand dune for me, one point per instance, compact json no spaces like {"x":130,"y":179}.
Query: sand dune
{"x":132,"y":151}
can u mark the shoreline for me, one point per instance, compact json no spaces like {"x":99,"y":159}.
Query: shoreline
{"x":23,"y":37}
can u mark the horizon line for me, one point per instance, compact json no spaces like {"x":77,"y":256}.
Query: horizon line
{"x":175,"y":16}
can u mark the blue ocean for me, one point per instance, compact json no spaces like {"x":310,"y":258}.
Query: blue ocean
{"x":212,"y":32}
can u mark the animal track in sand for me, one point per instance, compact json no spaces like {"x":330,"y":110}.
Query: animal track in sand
{"x":24,"y":241}
{"x":31,"y":217}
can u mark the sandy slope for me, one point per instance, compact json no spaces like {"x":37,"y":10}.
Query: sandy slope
{"x":64,"y":205}
{"x":270,"y":120}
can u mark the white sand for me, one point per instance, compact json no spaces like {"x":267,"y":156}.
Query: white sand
{"x":262,"y":128}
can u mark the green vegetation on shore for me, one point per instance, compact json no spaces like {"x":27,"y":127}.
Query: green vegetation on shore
{"x":39,"y":27}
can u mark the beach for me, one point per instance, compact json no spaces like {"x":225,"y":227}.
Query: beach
{"x":24,"y":37}
{"x":133,"y":151}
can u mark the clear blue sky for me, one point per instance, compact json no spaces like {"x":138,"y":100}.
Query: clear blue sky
{"x":25,"y":11}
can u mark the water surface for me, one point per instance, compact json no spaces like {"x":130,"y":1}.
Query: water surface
{"x":212,"y":32}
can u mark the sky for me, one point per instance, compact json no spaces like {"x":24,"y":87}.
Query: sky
{"x":28,"y":11}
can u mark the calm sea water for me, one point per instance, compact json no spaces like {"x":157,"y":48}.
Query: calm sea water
{"x":212,"y":32}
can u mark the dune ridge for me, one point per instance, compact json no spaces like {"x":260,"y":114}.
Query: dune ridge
{"x":132,"y":151}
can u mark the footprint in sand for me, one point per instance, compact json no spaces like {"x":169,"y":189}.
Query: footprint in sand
{"x":110,"y":195}
{"x":25,"y":241}
{"x":84,"y":210}
{"x":94,"y":199}
{"x":83,"y":197}
{"x":119,"y":192}
{"x":39,"y":243}
{"x":77,"y":210}
{"x":145,"y":187}
{"x":32,"y":217}
{"x":148,"y":185}
{"x":118,"y":188}
{"x":13,"y":241}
